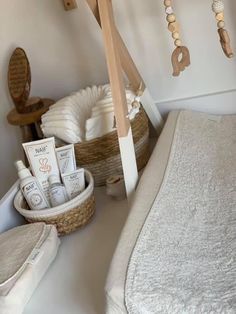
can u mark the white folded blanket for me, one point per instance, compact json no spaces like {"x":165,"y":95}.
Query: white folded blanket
{"x":96,"y":127}
{"x":26,"y":254}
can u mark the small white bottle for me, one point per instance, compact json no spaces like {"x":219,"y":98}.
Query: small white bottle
{"x":57,"y":191}
{"x":31,"y":188}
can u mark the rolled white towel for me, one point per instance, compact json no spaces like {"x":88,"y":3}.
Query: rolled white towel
{"x":99,"y":126}
{"x":103,"y":106}
{"x":84,"y":115}
{"x":100,"y":111}
{"x":102,"y":117}
{"x":60,"y":116}
{"x":66,"y":135}
{"x":106,"y":104}
{"x":75,"y":104}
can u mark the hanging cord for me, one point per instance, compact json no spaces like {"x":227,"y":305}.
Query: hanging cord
{"x":136,"y":103}
{"x":218,"y":9}
{"x":180,"y":57}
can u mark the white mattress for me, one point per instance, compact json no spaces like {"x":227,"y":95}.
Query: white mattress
{"x":147,"y":190}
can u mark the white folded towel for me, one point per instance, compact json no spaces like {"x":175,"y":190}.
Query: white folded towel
{"x":84,"y":115}
{"x":26,"y":254}
{"x":60,"y":131}
{"x":100,"y":125}
{"x":60,"y":115}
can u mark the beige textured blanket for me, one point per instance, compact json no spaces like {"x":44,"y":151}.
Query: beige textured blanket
{"x":184,"y":260}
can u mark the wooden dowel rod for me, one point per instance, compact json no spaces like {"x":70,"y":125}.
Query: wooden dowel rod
{"x":126,"y":60}
{"x":114,"y":68}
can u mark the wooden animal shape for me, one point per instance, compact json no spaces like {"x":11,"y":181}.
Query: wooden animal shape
{"x":180,"y":60}
{"x":225,"y":42}
{"x":180,"y":57}
{"x":218,"y":9}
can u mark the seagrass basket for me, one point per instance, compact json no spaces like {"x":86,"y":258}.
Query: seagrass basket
{"x":67,"y":217}
{"x":101,"y":156}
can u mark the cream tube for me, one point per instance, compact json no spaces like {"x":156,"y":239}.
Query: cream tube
{"x":74,"y":182}
{"x":66,"y":158}
{"x":42,"y":159}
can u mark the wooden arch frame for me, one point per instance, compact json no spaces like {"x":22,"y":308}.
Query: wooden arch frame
{"x":118,"y":58}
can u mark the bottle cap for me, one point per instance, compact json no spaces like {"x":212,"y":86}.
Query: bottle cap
{"x":23,"y":172}
{"x":53,"y":178}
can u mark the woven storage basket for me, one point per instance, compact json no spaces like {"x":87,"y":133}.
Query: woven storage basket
{"x":101,"y":156}
{"x":67,"y":217}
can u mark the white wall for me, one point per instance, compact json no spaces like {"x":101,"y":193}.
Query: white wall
{"x":66,"y":53}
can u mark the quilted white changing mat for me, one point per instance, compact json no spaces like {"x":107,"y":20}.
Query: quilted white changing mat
{"x":26,"y":252}
{"x":184,"y":260}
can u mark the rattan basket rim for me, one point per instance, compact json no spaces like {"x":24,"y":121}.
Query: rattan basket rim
{"x":61,"y":209}
{"x":104,"y":147}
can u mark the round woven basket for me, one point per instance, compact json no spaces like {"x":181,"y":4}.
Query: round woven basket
{"x":67,"y":217}
{"x":101,"y":156}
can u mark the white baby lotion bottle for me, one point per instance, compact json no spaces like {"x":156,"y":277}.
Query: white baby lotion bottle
{"x":57,"y":191}
{"x":31,"y":188}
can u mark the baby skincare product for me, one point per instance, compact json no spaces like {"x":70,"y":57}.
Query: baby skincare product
{"x":66,"y":158}
{"x":74,"y":182}
{"x":57,"y":191}
{"x":31,"y":188}
{"x":42,"y":159}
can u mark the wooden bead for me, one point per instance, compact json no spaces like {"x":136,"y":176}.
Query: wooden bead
{"x":176,"y":35}
{"x":167,"y":3}
{"x":169,"y":10}
{"x":178,"y":43}
{"x":173,"y":27}
{"x":221,"y":24}
{"x":218,"y":6}
{"x":171,"y":18}
{"x":220,"y":16}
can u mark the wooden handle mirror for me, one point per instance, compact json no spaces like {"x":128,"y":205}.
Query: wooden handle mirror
{"x":19,"y":78}
{"x":19,"y":83}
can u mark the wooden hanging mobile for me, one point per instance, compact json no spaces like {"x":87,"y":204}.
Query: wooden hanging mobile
{"x":180,"y":56}
{"x":218,"y":9}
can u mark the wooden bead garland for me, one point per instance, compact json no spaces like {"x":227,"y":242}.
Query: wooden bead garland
{"x":218,"y":9}
{"x":180,"y":57}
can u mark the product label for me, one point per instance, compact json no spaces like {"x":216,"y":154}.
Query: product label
{"x":43,"y":161}
{"x":58,"y":195}
{"x":35,"y":256}
{"x":74,"y":182}
{"x":34,"y":196}
{"x":66,"y":158}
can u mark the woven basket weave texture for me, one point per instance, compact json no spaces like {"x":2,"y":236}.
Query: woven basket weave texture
{"x":71,"y":220}
{"x":101,"y":156}
{"x":66,"y":217}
